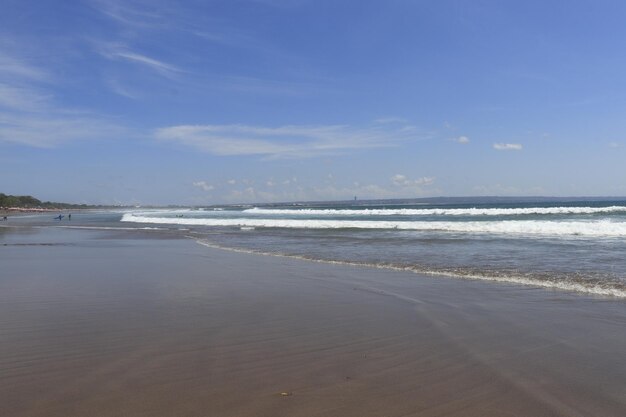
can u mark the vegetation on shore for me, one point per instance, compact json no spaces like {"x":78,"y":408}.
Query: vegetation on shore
{"x":31,"y":203}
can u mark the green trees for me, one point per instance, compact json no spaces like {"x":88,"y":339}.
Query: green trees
{"x":29,"y":202}
{"x":23,"y":201}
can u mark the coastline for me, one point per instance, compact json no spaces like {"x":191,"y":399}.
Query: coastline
{"x":105,"y":323}
{"x":19,"y":211}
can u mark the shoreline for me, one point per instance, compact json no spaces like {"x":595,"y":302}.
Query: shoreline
{"x":105,"y":323}
{"x":164,"y":230}
{"x":581,"y":290}
{"x":4,"y":210}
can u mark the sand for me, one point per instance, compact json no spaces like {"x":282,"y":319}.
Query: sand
{"x":118,"y":324}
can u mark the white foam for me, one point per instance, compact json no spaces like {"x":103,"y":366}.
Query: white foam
{"x":594,"y":289}
{"x":438,"y":211}
{"x":596,"y":228}
{"x":109,"y":228}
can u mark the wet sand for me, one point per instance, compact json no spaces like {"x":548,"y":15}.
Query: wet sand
{"x":122,"y":324}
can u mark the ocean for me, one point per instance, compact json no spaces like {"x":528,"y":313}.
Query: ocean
{"x":562,"y":245}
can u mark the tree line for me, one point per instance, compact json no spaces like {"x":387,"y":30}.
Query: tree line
{"x":30,"y":202}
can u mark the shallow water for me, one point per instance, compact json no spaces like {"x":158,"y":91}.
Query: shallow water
{"x":566,"y":245}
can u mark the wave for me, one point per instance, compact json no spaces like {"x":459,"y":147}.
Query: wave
{"x":598,"y":228}
{"x":439,"y":211}
{"x":613,"y":289}
{"x":109,"y":228}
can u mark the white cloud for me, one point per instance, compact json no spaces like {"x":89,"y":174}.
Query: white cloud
{"x":398,"y":179}
{"x":232,"y":182}
{"x":293,"y":190}
{"x":204,"y":185}
{"x":386,"y":120}
{"x":247,"y":195}
{"x":507,"y":146}
{"x":284,"y":141}
{"x":615,"y":145}
{"x":463,"y":140}
{"x":402,"y":180}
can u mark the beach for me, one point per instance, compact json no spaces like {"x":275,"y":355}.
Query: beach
{"x":149,"y":323}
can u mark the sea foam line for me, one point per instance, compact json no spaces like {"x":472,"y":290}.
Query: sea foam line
{"x":509,"y":279}
{"x":439,"y":211}
{"x":109,"y":228}
{"x":598,"y":228}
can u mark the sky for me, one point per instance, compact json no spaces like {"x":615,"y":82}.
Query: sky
{"x":242,"y":101}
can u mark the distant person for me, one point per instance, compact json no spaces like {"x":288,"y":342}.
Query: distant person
{"x":69,"y":216}
{"x":5,"y":218}
{"x":59,"y":217}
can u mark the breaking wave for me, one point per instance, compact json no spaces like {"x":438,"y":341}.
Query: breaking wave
{"x":438,"y":211}
{"x":589,"y":228}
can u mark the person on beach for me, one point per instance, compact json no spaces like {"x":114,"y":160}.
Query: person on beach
{"x":69,"y":216}
{"x":4,"y":218}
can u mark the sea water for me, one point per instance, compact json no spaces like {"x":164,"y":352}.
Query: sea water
{"x":568,"y":245}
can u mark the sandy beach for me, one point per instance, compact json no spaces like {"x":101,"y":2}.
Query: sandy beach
{"x":104,"y":323}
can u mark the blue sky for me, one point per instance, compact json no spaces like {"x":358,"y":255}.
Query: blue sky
{"x":201,"y":102}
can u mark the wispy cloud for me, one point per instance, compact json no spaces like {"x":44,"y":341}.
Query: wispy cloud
{"x":615,"y":145}
{"x":12,"y":67}
{"x":131,"y":13}
{"x":286,"y":141}
{"x":463,"y":140}
{"x":22,"y":98}
{"x":155,"y":64}
{"x":115,"y":51}
{"x":226,"y":35}
{"x":29,"y":114}
{"x":122,"y":90}
{"x":50,"y":130}
{"x":282,"y":3}
{"x":507,"y":146}
{"x":137,"y":21}
{"x":390,"y":119}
